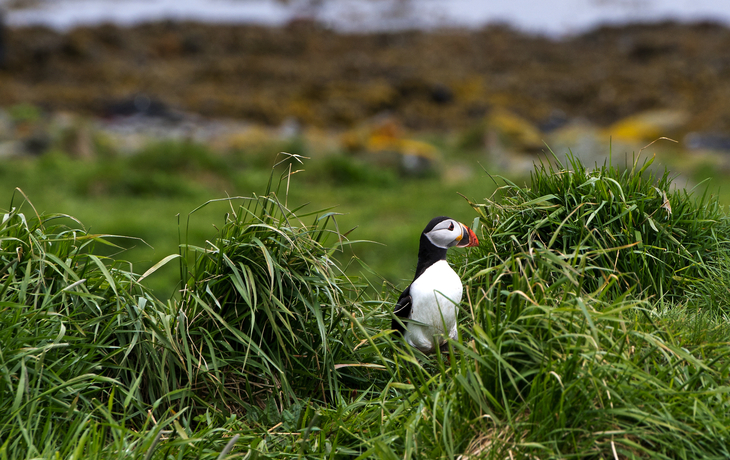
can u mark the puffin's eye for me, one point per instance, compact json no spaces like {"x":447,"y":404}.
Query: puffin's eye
{"x":451,"y":226}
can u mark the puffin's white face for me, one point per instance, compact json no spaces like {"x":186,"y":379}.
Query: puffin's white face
{"x":446,"y":234}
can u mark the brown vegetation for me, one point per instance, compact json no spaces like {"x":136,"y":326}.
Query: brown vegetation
{"x":440,"y":80}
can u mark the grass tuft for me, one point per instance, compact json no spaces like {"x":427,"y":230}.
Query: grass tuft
{"x":79,"y":336}
{"x":609,"y":222}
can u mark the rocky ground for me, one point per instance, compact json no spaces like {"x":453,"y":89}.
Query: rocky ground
{"x":440,"y":80}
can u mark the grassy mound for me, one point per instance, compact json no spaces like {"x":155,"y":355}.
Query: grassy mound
{"x":263,"y":303}
{"x":272,"y":352}
{"x":575,"y":292}
{"x":611,"y":224}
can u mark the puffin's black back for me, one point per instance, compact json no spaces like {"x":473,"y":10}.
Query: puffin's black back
{"x":402,"y":310}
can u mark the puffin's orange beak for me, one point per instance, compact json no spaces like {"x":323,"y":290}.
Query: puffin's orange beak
{"x":468,"y":238}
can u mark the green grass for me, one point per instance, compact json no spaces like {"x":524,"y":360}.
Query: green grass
{"x":575,"y":341}
{"x":79,"y":337}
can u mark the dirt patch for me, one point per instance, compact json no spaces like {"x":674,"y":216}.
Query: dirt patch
{"x":440,"y":80}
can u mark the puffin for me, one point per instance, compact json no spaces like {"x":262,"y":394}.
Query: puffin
{"x":427,"y":308}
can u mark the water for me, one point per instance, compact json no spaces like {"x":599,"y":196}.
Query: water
{"x":553,"y":18}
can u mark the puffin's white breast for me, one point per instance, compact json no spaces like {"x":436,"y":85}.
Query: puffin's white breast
{"x":435,"y":295}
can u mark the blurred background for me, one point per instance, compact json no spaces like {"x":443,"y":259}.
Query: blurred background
{"x":129,"y":114}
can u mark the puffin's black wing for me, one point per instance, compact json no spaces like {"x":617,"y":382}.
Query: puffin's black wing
{"x":402,"y":310}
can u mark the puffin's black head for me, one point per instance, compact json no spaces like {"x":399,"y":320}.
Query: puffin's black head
{"x":439,"y":235}
{"x":444,"y":232}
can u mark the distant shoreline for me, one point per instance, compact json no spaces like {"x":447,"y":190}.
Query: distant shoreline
{"x":553,"y":19}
